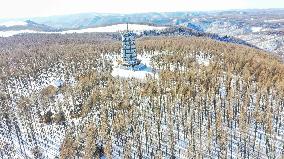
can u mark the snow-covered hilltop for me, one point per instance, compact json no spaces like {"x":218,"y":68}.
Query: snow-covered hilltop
{"x":10,"y":28}
{"x":172,"y":93}
{"x":61,"y":99}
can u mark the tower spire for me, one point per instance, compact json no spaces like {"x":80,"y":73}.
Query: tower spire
{"x":127,"y":27}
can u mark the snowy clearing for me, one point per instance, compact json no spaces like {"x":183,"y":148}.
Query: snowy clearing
{"x":274,"y":20}
{"x":13,"y":23}
{"x":16,"y":32}
{"x":112,"y":28}
{"x":127,"y":73}
{"x":203,"y":59}
{"x":124,"y":73}
{"x":256,"y":29}
{"x":116,"y":28}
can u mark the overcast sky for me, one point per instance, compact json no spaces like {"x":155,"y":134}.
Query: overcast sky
{"x":38,"y":8}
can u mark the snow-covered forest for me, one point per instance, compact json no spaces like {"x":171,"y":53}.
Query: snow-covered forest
{"x":206,"y":99}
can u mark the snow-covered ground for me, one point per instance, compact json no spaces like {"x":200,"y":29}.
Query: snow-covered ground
{"x":227,"y":28}
{"x":125,"y":73}
{"x":260,"y":35}
{"x":203,"y":59}
{"x":13,"y":23}
{"x":272,"y":43}
{"x":112,"y":28}
{"x":128,"y":73}
{"x":15,"y":32}
{"x":116,"y":28}
{"x":256,"y":29}
{"x":274,"y":20}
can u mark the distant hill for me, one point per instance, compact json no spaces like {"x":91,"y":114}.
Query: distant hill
{"x":25,"y":25}
{"x":259,"y":27}
{"x":98,"y":19}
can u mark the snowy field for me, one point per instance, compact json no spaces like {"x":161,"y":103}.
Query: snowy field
{"x":116,"y":28}
{"x":256,"y":29}
{"x":128,"y":73}
{"x":13,"y":23}
{"x":16,"y":32}
{"x":125,"y":73}
{"x":112,"y":28}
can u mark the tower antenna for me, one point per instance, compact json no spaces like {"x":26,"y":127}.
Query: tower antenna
{"x":127,"y":27}
{"x":127,"y":23}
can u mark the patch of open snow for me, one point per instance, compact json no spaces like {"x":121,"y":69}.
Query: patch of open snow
{"x":60,"y":97}
{"x":57,"y":83}
{"x":112,"y":28}
{"x":256,"y":29}
{"x":15,"y":32}
{"x":275,"y":20}
{"x":102,"y":157}
{"x":203,"y":59}
{"x":13,"y":23}
{"x":126,"y":73}
{"x":145,"y":59}
{"x":133,"y":73}
{"x":116,"y":28}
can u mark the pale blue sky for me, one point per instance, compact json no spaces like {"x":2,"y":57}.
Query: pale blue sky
{"x":37,"y":8}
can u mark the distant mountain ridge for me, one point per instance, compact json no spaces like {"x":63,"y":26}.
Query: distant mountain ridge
{"x":98,"y":19}
{"x":26,"y":25}
{"x":259,"y":27}
{"x":196,"y":20}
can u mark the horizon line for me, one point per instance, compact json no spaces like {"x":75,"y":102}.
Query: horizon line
{"x":120,"y":13}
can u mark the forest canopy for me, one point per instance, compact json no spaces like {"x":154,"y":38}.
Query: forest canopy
{"x":212,"y":99}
